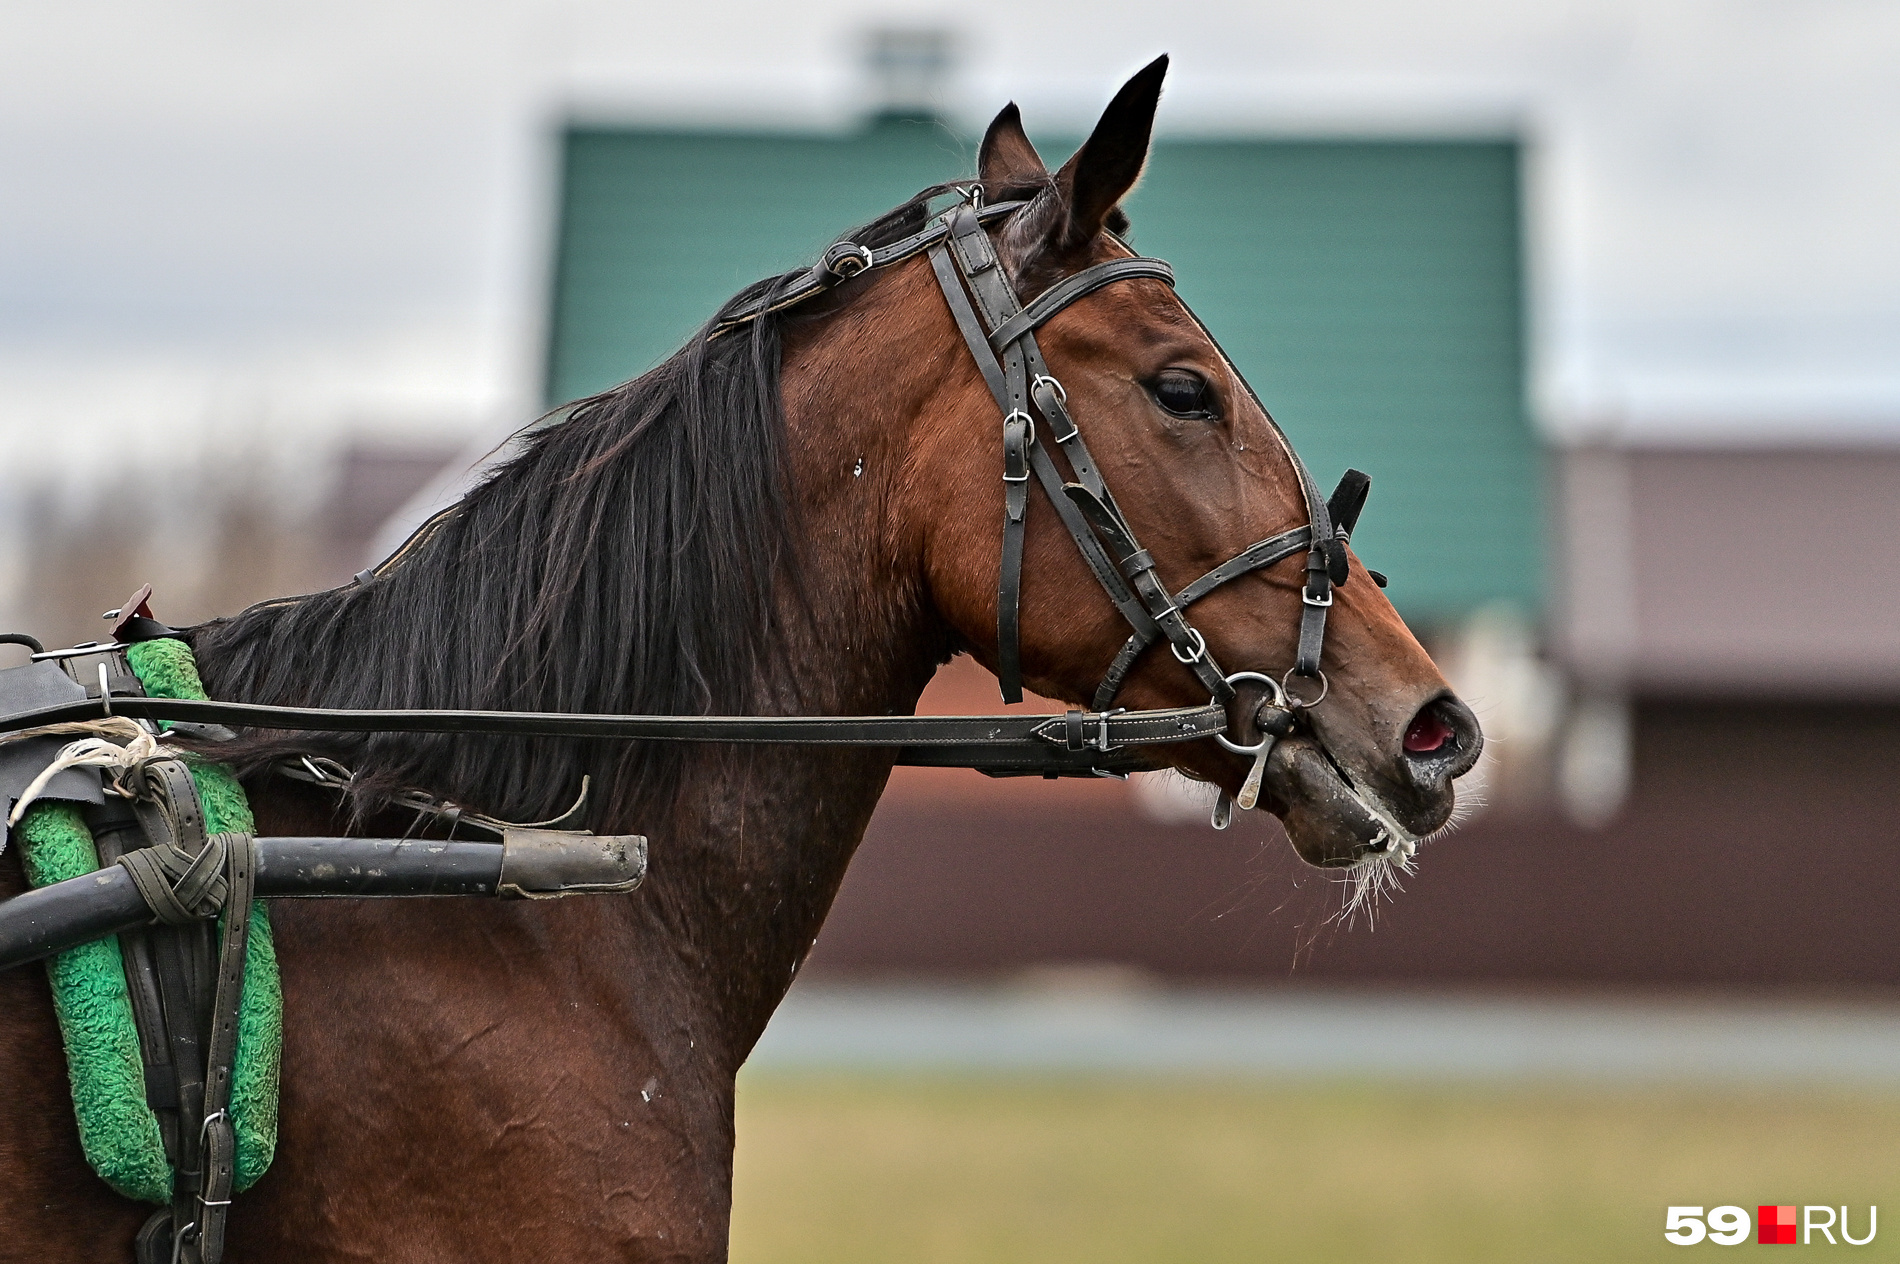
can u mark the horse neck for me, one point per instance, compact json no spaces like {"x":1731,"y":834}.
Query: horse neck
{"x":750,"y":845}
{"x":759,"y":837}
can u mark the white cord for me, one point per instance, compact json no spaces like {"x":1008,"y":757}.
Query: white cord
{"x":132,"y":745}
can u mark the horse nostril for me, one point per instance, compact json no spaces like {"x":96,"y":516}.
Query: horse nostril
{"x":1442,"y":742}
{"x":1428,"y":734}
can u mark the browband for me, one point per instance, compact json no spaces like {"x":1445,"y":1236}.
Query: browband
{"x":1069,"y":289}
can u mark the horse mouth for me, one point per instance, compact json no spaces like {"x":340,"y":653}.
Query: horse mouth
{"x":1332,"y":822}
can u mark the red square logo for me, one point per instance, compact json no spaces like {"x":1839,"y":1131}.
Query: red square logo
{"x":1774,"y":1226}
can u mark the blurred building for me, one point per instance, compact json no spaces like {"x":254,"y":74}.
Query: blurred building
{"x":211,"y":539}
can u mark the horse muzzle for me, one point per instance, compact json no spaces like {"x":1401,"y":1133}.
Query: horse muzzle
{"x":1331,"y":822}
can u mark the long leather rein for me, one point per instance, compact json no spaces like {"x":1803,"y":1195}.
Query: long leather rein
{"x":1000,"y":333}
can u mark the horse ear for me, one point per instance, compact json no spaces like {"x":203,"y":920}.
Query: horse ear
{"x":1106,"y":167}
{"x":1007,"y":158}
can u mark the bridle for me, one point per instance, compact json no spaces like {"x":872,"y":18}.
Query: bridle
{"x":1000,"y":333}
{"x":1126,"y":571}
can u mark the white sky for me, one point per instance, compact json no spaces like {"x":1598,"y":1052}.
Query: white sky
{"x":281,"y":224}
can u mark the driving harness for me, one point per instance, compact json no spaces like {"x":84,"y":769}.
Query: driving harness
{"x":186,"y":977}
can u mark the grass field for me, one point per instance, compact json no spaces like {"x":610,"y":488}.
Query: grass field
{"x":932,"y":1169}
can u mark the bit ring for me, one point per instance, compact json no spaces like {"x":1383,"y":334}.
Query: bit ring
{"x":1276,"y":695}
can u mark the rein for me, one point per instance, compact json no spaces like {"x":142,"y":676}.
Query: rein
{"x":1076,"y":743}
{"x":1000,"y":333}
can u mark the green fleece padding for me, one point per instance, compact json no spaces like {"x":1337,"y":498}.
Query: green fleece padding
{"x":116,"y":1129}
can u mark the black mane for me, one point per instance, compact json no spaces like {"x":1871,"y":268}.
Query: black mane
{"x":628,"y":557}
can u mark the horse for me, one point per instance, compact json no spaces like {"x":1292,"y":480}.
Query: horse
{"x":796,"y":517}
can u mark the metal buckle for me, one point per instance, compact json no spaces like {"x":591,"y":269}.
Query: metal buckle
{"x":1029,"y":437}
{"x":1307,"y":598}
{"x":1200,"y":647}
{"x":845,"y":253}
{"x":1277,"y":694}
{"x":1061,"y":406}
{"x":1101,"y":731}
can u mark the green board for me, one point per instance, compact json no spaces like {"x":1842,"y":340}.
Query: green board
{"x":1370,"y":290}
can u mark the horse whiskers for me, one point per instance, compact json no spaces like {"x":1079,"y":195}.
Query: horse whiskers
{"x":1372,"y":878}
{"x":1375,"y":875}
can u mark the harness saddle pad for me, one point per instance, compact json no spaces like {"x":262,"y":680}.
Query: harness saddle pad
{"x":117,"y":1129}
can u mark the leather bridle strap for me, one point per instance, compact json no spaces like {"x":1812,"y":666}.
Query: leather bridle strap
{"x":1254,"y":557}
{"x":1099,"y":520}
{"x":841,"y":262}
{"x":1069,"y":289}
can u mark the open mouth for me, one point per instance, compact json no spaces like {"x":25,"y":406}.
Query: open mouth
{"x":1330,"y":820}
{"x":1392,"y":841}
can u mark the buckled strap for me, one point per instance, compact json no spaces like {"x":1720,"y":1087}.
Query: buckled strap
{"x":1018,"y":434}
{"x":1006,"y":383}
{"x":1052,"y":401}
{"x":1312,"y":634}
{"x":830,"y":270}
{"x":1071,"y":288}
{"x":1107,"y":730}
{"x":1252,"y":558}
{"x":220,"y":1140}
{"x":1138,"y":565}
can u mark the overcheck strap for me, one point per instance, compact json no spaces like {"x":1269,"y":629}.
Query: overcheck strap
{"x":825,"y":274}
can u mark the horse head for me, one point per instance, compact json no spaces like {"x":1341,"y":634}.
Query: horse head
{"x":1197,"y":472}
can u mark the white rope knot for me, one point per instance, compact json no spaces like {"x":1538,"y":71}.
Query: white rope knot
{"x":114,"y":743}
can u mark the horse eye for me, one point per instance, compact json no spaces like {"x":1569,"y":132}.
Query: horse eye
{"x":1184,"y":394}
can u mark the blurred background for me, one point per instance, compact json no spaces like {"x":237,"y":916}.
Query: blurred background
{"x":1605,"y":296}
